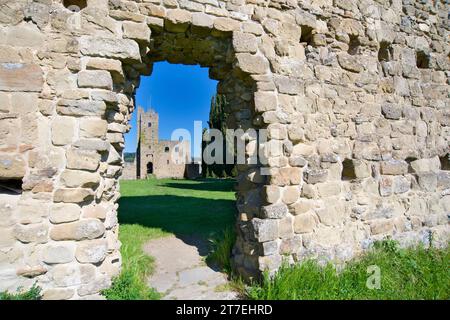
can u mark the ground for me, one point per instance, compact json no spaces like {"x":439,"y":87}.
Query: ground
{"x":166,"y":228}
{"x":174,"y":221}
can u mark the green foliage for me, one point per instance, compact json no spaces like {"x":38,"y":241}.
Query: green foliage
{"x":218,"y":120}
{"x":136,"y":265}
{"x":222,"y":245}
{"x":129,"y":156}
{"x":414,"y":273}
{"x":218,"y":113}
{"x":34,"y":293}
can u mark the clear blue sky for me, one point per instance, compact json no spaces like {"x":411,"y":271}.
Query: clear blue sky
{"x":181,"y":94}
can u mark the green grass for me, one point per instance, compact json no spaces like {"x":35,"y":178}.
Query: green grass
{"x":415,"y":273}
{"x":222,"y":245}
{"x":150,"y":209}
{"x":34,"y":293}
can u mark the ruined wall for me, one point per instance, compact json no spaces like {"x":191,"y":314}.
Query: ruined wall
{"x":354,"y":96}
{"x":129,"y":171}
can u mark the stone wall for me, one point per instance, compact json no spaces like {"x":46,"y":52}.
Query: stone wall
{"x":354,"y":94}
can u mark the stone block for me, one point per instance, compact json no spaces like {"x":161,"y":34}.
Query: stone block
{"x":93,"y":128}
{"x":64,"y":212}
{"x":80,"y":107}
{"x":78,"y":178}
{"x":58,"y":294}
{"x":21,"y":77}
{"x":274,"y":211}
{"x":350,"y":63}
{"x":386,"y":186}
{"x":86,"y":229}
{"x":425,"y":165}
{"x":63,"y":130}
{"x":95,"y":211}
{"x":381,"y":226}
{"x":226,"y":24}
{"x":271,"y":193}
{"x":305,"y":223}
{"x":95,"y":79}
{"x":78,"y":195}
{"x":265,"y":229}
{"x":252,"y":64}
{"x":401,"y":185}
{"x":200,"y":19}
{"x":291,"y":194}
{"x":394,"y":167}
{"x":391,"y":111}
{"x":68,"y":275}
{"x":427,"y":181}
{"x":265,"y":101}
{"x":313,"y":176}
{"x":91,"y":251}
{"x":245,"y":42}
{"x":33,"y":233}
{"x":123,"y":49}
{"x":136,"y":31}
{"x":58,"y":253}
{"x":12,"y":166}
{"x":83,"y":159}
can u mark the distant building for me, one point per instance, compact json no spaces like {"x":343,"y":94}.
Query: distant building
{"x":158,"y":158}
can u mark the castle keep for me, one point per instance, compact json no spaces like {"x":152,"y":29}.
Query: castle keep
{"x":354,"y":96}
{"x":158,"y":158}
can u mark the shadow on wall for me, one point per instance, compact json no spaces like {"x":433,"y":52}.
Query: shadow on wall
{"x":192,"y":219}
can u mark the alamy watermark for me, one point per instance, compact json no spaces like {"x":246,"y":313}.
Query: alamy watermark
{"x":234,"y":147}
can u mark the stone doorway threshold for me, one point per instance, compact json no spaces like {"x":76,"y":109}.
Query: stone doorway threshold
{"x":181,"y":272}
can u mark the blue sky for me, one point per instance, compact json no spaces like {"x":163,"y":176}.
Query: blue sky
{"x":181,"y":94}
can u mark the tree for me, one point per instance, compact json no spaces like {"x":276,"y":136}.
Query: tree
{"x":218,"y":120}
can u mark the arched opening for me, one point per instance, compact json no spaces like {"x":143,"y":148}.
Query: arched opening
{"x":149,"y":168}
{"x":201,"y":211}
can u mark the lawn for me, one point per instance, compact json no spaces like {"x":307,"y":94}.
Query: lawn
{"x":152,"y":208}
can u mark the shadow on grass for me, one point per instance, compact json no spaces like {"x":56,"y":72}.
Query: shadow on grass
{"x":191,"y":219}
{"x":204,"y":185}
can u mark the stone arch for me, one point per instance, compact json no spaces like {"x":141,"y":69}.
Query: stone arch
{"x":66,"y":95}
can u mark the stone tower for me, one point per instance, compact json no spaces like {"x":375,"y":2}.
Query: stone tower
{"x":147,"y":138}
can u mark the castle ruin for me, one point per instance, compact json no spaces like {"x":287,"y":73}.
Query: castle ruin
{"x":158,"y":158}
{"x":355,"y":94}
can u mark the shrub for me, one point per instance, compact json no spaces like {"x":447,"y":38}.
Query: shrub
{"x":34,"y":293}
{"x":222,"y":245}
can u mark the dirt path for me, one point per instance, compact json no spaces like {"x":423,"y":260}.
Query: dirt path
{"x":181,"y":272}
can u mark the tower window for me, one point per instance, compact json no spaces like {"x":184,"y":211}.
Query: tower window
{"x":149,"y":124}
{"x":166,"y":149}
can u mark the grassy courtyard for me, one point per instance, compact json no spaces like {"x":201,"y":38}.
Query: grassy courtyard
{"x":156,"y":208}
{"x":150,"y":209}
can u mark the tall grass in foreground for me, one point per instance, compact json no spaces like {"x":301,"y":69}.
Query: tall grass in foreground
{"x":414,"y":273}
{"x":131,"y":284}
{"x":221,"y":247}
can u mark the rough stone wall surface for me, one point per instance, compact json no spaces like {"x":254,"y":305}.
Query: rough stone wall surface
{"x":354,"y":93}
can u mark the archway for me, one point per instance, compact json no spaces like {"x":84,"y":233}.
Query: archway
{"x":185,"y":43}
{"x":149,"y":168}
